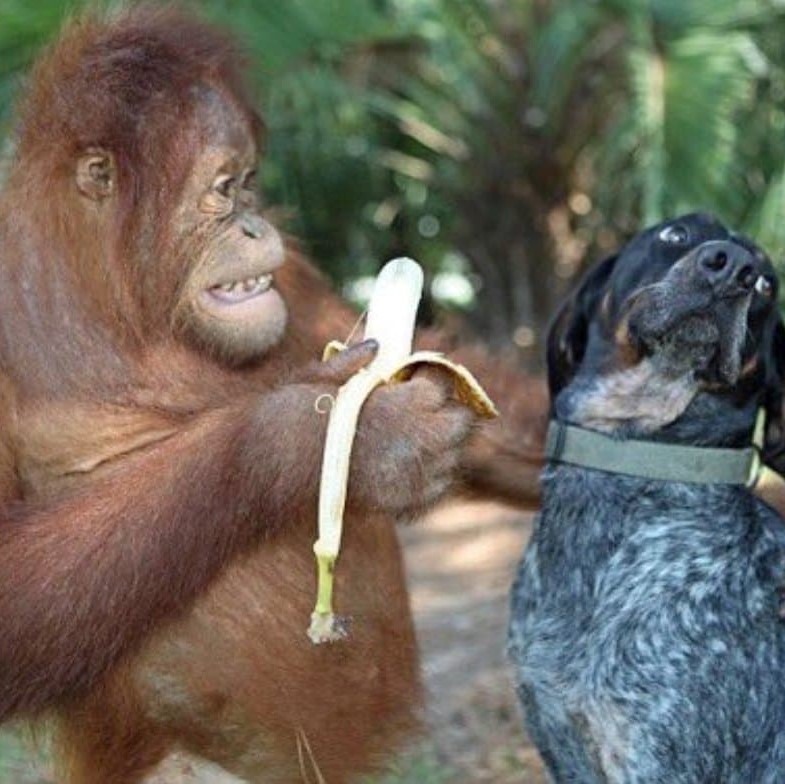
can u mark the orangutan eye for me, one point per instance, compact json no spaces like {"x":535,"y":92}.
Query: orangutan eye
{"x":675,"y":235}
{"x":764,"y":286}
{"x":249,"y":181}
{"x":224,"y":185}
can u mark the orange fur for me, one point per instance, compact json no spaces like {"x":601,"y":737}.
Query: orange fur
{"x":156,"y":572}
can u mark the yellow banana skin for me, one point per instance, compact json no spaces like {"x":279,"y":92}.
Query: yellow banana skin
{"x":467,"y":388}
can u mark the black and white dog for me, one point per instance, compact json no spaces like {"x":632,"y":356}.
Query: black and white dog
{"x":646,"y":630}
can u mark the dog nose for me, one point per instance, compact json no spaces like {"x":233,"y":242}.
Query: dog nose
{"x":729,"y":267}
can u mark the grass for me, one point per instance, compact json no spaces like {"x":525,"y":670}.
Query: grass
{"x":19,"y":763}
{"x":421,"y":768}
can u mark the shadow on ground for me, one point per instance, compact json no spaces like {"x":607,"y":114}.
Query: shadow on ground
{"x":461,"y":563}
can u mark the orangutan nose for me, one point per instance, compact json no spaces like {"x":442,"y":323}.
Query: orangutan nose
{"x":253,"y":225}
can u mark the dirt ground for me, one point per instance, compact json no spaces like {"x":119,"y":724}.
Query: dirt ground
{"x":461,"y":562}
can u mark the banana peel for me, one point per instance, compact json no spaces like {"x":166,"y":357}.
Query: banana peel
{"x":467,"y":389}
{"x":390,"y":322}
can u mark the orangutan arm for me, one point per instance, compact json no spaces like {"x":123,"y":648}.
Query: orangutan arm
{"x":503,"y":459}
{"x":85,"y":575}
{"x":88,"y":571}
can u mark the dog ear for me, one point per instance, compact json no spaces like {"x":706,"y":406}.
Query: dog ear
{"x":773,"y":355}
{"x":569,"y":330}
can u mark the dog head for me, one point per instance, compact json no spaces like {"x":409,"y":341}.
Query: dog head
{"x":686,"y":310}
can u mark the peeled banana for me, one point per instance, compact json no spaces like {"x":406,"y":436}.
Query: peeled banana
{"x":390,"y":321}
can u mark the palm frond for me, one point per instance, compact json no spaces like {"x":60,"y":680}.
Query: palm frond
{"x":708,"y":89}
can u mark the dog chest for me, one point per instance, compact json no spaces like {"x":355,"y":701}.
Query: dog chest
{"x":640,"y":610}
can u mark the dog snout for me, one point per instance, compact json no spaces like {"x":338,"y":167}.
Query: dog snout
{"x":730,"y":269}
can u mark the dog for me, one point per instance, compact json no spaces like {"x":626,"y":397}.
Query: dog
{"x":646,"y":628}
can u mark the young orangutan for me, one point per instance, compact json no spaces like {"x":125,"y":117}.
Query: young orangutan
{"x":159,"y":436}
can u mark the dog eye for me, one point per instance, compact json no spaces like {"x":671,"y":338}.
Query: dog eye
{"x":764,"y":286}
{"x":675,"y":235}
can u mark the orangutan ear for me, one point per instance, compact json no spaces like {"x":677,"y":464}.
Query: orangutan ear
{"x":96,"y":174}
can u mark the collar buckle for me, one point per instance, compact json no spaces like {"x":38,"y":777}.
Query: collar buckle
{"x":758,"y":437}
{"x":756,"y":468}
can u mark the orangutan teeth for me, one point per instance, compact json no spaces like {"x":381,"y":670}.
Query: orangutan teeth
{"x":240,"y":290}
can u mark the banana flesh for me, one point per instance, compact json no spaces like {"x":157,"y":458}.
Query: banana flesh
{"x":391,"y":318}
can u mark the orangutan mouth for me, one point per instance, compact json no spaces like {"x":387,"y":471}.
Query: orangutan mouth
{"x":241,"y":290}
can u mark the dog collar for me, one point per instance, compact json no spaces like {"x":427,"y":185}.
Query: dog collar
{"x":655,"y":460}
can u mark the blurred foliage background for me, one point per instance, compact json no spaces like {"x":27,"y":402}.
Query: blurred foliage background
{"x":504,"y":143}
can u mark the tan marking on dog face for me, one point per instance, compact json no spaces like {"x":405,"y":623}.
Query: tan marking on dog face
{"x":640,"y":395}
{"x":750,"y":366}
{"x":626,"y":353}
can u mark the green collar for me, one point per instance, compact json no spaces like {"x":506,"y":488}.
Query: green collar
{"x":655,"y":460}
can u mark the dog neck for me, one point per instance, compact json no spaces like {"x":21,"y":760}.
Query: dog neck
{"x":640,"y":399}
{"x":643,"y":402}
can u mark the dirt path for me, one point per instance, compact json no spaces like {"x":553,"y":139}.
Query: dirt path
{"x":461,"y":562}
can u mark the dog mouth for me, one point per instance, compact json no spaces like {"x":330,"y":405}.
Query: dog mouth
{"x":703,"y":336}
